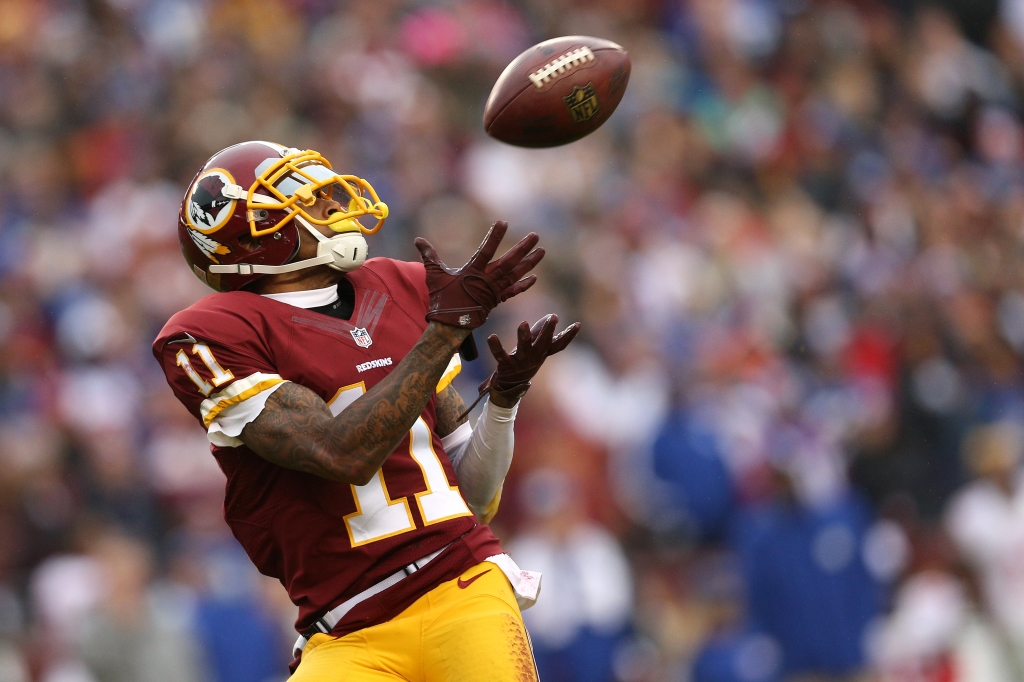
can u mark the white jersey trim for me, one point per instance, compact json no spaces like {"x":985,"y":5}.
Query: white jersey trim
{"x":237,"y":392}
{"x":227,"y":426}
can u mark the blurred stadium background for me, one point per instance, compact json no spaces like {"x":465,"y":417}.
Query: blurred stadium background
{"x":787,"y":445}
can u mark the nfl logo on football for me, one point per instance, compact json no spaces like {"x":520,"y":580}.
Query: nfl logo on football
{"x":582,"y":103}
{"x":361,"y":337}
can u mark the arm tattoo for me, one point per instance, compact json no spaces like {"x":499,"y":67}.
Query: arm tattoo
{"x":296,"y":429}
{"x":449,"y":406}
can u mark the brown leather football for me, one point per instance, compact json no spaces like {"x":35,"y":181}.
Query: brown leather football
{"x":557,"y":92}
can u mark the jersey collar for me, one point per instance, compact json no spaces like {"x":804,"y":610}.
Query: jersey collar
{"x":309,"y":298}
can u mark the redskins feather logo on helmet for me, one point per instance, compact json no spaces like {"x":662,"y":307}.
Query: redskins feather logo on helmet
{"x":208,"y":208}
{"x":242,"y":213}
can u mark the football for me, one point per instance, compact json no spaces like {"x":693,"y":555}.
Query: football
{"x":557,"y":92}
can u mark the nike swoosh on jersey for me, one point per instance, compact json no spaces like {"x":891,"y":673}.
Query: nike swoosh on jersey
{"x":184,"y":338}
{"x":466,"y":583}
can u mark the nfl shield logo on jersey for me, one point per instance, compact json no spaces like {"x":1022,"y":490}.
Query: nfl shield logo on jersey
{"x":361,"y":337}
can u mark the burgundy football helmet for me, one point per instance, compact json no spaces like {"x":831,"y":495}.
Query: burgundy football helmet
{"x":241,"y":215}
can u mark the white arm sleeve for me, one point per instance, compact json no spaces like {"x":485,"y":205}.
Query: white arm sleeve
{"x":456,"y":442}
{"x":481,"y":457}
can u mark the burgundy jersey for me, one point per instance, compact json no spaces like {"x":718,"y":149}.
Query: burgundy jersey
{"x":324,"y":540}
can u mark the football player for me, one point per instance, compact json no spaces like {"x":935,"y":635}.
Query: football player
{"x":324,"y":383}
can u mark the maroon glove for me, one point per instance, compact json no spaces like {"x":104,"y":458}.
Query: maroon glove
{"x":516,"y":369}
{"x":464,"y":297}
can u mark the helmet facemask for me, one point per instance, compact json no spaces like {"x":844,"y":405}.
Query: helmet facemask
{"x":292,"y":184}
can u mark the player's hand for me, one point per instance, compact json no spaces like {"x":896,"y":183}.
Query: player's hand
{"x":464,"y":297}
{"x":515,"y":370}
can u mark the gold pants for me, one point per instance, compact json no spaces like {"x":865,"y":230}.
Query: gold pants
{"x":465,"y":630}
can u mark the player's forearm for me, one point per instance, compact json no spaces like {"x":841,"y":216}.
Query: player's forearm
{"x":296,"y":429}
{"x":451,"y":411}
{"x":378,"y":421}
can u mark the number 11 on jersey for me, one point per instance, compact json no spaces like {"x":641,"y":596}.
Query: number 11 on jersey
{"x":377,"y":516}
{"x":220,"y":375}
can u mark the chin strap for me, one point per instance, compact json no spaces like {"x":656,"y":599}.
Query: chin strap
{"x":321,"y":259}
{"x":249,"y":269}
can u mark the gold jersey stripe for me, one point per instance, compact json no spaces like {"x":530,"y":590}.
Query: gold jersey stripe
{"x":450,"y":372}
{"x":236,"y":393}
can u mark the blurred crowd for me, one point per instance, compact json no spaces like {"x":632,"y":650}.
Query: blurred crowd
{"x":788,"y":444}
